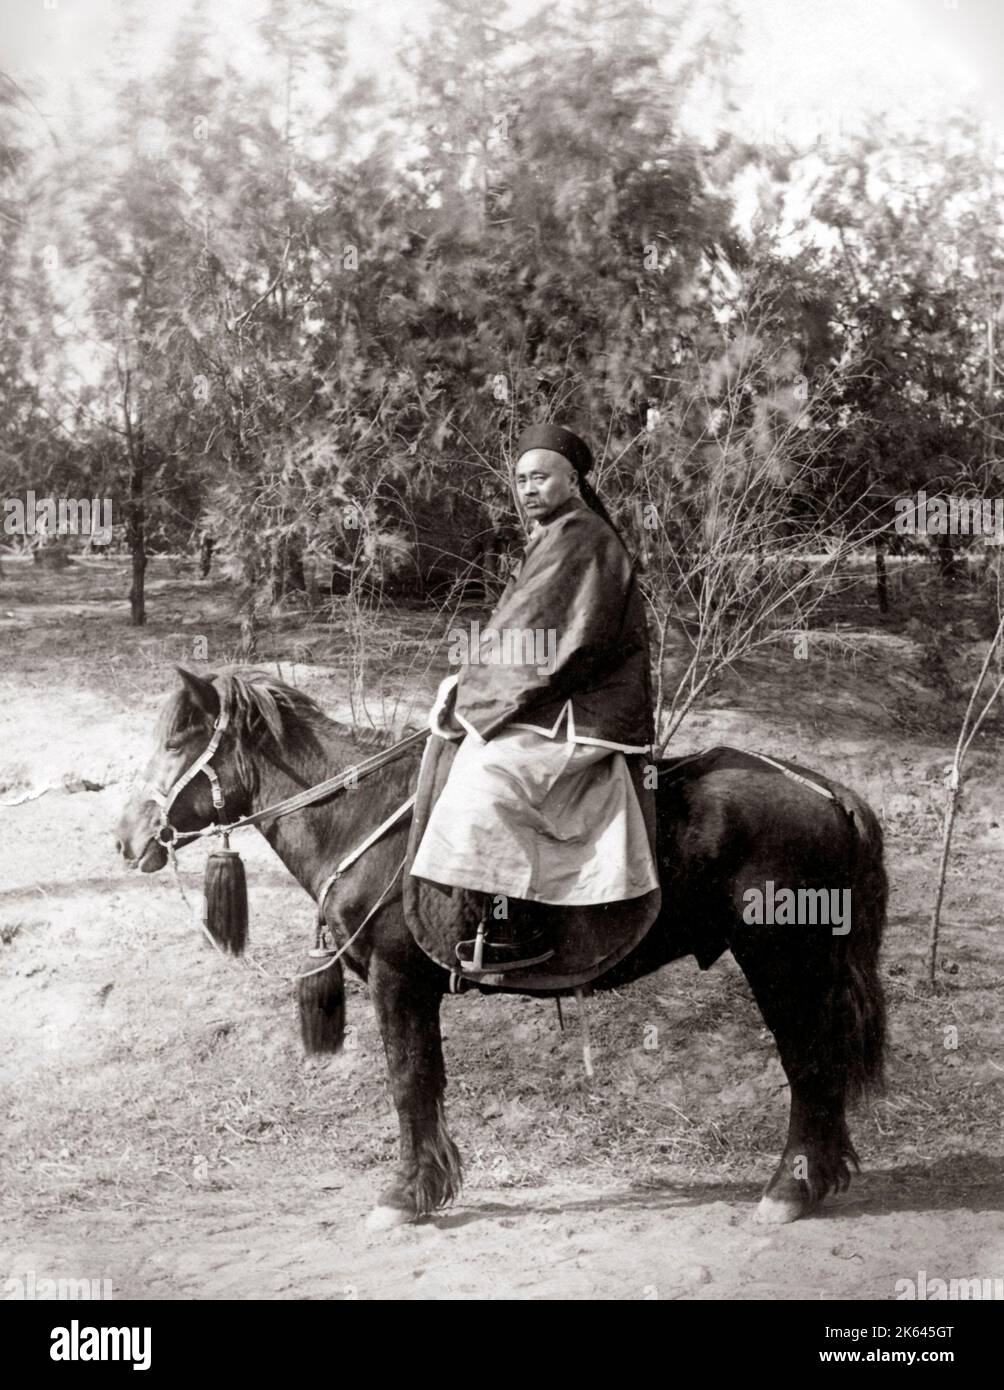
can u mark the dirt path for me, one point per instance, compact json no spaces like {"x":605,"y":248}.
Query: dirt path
{"x":566,"y":1240}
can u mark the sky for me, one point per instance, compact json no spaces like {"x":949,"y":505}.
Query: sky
{"x":807,"y":64}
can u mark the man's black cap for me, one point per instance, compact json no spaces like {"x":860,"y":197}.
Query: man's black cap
{"x":562,"y":441}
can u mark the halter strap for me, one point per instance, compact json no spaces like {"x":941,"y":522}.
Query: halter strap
{"x":165,"y":800}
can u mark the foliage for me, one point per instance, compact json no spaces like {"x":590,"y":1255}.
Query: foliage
{"x":307,"y":313}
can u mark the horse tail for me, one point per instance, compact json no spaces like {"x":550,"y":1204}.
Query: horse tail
{"x":860,"y":1013}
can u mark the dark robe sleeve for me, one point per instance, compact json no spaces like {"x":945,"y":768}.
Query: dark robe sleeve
{"x":574,"y":583}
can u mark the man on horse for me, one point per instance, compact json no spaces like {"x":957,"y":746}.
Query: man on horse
{"x":539,"y":806}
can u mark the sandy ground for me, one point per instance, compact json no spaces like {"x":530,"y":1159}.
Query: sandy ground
{"x":567,"y":1240}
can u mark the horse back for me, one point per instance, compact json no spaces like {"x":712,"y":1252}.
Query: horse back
{"x":725,"y":805}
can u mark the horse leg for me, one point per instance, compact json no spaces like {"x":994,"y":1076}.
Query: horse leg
{"x":799,"y":995}
{"x":429,"y":1172}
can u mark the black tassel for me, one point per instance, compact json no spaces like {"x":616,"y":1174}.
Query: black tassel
{"x":322,"y":1004}
{"x":225,"y":904}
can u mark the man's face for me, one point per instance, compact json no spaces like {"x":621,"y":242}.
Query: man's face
{"x":544,"y":480}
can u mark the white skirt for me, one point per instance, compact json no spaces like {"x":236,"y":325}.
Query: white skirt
{"x":524,"y":816}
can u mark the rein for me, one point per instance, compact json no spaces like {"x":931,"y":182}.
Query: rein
{"x":310,"y":796}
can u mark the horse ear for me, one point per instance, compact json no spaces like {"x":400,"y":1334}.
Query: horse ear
{"x":202,"y":692}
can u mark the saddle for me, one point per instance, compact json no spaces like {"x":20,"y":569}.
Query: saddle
{"x":588,"y":941}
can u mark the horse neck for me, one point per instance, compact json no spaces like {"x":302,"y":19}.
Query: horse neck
{"x":311,"y":842}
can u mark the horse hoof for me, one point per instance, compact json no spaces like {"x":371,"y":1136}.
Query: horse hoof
{"x":778,"y":1211}
{"x":386,"y":1218}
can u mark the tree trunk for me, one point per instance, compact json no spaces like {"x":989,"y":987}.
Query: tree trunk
{"x":285,"y":568}
{"x":249,"y":633}
{"x":311,"y":585}
{"x":135,"y":450}
{"x":881,"y":578}
{"x":948,"y":564}
{"x":137,"y":546}
{"x":951,"y":807}
{"x":489,"y":564}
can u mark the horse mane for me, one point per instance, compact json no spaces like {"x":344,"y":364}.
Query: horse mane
{"x":259,"y":705}
{"x":260,"y":708}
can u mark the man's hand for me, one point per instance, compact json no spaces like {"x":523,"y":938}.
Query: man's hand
{"x":441,"y":717}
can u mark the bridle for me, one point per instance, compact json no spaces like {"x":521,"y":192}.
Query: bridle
{"x":310,"y":796}
{"x":203,"y":763}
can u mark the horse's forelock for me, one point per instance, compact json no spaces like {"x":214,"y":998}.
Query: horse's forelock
{"x":175,"y":715}
{"x":258,"y":704}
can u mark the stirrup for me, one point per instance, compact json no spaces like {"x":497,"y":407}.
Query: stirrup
{"x":471,"y":954}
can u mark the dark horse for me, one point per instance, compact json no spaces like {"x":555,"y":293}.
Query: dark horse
{"x":727,"y":822}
